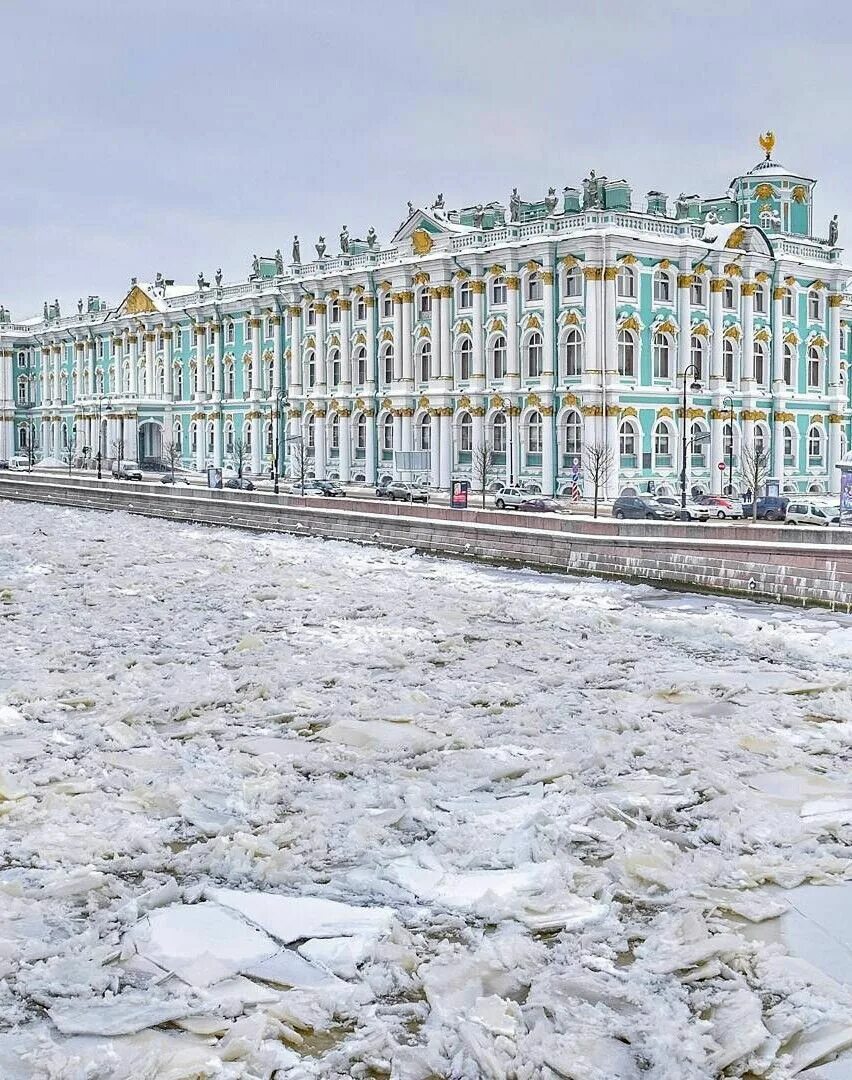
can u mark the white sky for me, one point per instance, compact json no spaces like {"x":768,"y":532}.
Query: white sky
{"x":181,"y":135}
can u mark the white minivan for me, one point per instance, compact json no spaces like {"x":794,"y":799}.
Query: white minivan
{"x":805,"y":512}
{"x":19,"y":461}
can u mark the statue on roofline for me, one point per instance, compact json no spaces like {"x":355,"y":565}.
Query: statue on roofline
{"x":297,"y":255}
{"x":219,"y":277}
{"x":833,"y":231}
{"x":371,"y":238}
{"x":320,"y":246}
{"x":344,"y":240}
{"x":515,"y":206}
{"x":279,"y":261}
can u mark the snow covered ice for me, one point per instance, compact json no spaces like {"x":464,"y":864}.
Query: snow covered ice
{"x":278,"y":807}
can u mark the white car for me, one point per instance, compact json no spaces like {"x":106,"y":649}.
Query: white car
{"x":19,"y":461}
{"x":695,"y":511}
{"x":805,"y":512}
{"x":511,"y":497}
{"x":126,"y":470}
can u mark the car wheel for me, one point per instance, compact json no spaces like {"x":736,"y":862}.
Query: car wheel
{"x":619,"y":515}
{"x":500,"y":504}
{"x":720,"y":514}
{"x":410,"y":499}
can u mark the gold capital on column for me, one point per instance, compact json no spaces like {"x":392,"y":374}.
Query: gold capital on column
{"x":748,"y":288}
{"x":717,"y":284}
{"x":610,"y":273}
{"x":684,"y":281}
{"x":835,"y":299}
{"x":779,"y":293}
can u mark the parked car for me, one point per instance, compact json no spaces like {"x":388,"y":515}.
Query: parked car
{"x":769,"y":508}
{"x":329,"y":488}
{"x":240,"y":483}
{"x":694,"y":511}
{"x":721,"y":506}
{"x":383,"y":489}
{"x":805,"y":512}
{"x":19,"y":461}
{"x":641,"y":506}
{"x":511,"y":497}
{"x":536,"y":504}
{"x":126,"y":470}
{"x":407,"y":492}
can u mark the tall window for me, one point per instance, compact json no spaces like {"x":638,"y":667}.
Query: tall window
{"x":573,"y":433}
{"x":311,"y":320}
{"x":498,"y":290}
{"x":814,"y":442}
{"x":334,"y":311}
{"x":662,"y":287}
{"x":465,"y":432}
{"x":425,"y":301}
{"x":699,"y":449}
{"x":387,"y":363}
{"x":573,"y":282}
{"x":760,"y":300}
{"x":336,"y":367}
{"x":229,"y":332}
{"x":727,"y":441}
{"x":426,"y":361}
{"x":728,"y":360}
{"x":789,"y":444}
{"x":696,"y":290}
{"x":729,"y":296}
{"x":312,"y":430}
{"x":627,"y":440}
{"x":360,"y":309}
{"x":335,"y":432}
{"x":696,"y":355}
{"x":814,"y":368}
{"x":534,"y":433}
{"x":789,"y":363}
{"x":498,"y":357}
{"x":662,"y":441}
{"x":465,"y":295}
{"x":814,"y":304}
{"x":535,"y":288}
{"x":387,"y":433}
{"x":387,"y":304}
{"x":662,"y":356}
{"x":311,"y":366}
{"x":761,"y":439}
{"x":465,"y":360}
{"x":787,"y":302}
{"x":626,"y":283}
{"x":425,"y":433}
{"x":573,"y":353}
{"x":759,"y":362}
{"x":626,"y":354}
{"x":361,"y":432}
{"x":534,"y":355}
{"x":361,"y":364}
{"x":498,"y":433}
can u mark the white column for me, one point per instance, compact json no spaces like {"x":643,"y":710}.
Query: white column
{"x":407,"y":437}
{"x":513,"y":359}
{"x":835,"y":392}
{"x":370,"y":451}
{"x":133,"y":346}
{"x":397,"y":340}
{"x":89,"y":386}
{"x":150,"y":381}
{"x":168,"y":365}
{"x":717,"y":287}
{"x":320,"y":443}
{"x":684,"y":315}
{"x":279,"y":375}
{"x":407,"y":349}
{"x":435,"y":449}
{"x":345,"y":452}
{"x":747,"y":291}
{"x":609,"y":375}
{"x":446,"y":448}
{"x":201,"y":445}
{"x":80,"y":370}
{"x":478,"y":373}
{"x":592,"y":373}
{"x":370,"y":301}
{"x":320,"y":351}
{"x":548,"y":447}
{"x":256,"y":421}
{"x":437,"y":313}
{"x":57,"y":373}
{"x":294,"y":380}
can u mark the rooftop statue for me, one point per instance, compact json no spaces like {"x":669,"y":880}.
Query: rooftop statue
{"x":320,"y":246}
{"x":255,"y":266}
{"x":80,"y":306}
{"x":297,"y":255}
{"x":515,"y":206}
{"x":219,"y":277}
{"x":833,"y":231}
{"x":371,"y":238}
{"x":550,"y":200}
{"x":478,"y":216}
{"x":344,"y":240}
{"x":45,"y":315}
{"x":279,"y":261}
{"x":410,"y":207}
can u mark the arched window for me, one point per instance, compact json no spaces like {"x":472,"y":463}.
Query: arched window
{"x":229,"y":438}
{"x":760,"y":299}
{"x":387,"y":362}
{"x":426,"y":361}
{"x":387,"y":433}
{"x":696,"y":291}
{"x":465,"y":432}
{"x":360,"y":432}
{"x":662,"y":287}
{"x":424,"y":301}
{"x":229,"y":332}
{"x":814,"y":368}
{"x":815,"y":445}
{"x":334,"y":432}
{"x":360,"y":309}
{"x":761,"y":439}
{"x":270,"y":373}
{"x":534,"y":355}
{"x":465,"y":295}
{"x":424,"y":432}
{"x":334,"y":311}
{"x":22,"y":390}
{"x":626,"y":354}
{"x":789,"y":363}
{"x":178,"y":381}
{"x":789,"y":444}
{"x":193,"y":436}
{"x":465,"y":359}
{"x":728,"y":360}
{"x":759,"y":362}
{"x":729,"y":297}
{"x":626,"y":283}
{"x":230,"y":380}
{"x":211,"y":440}
{"x":361,"y":365}
{"x":310,"y":431}
{"x":573,"y":433}
{"x":23,"y":437}
{"x":311,"y":367}
{"x":498,"y":433}
{"x":311,"y":319}
{"x":628,"y":443}
{"x":699,"y":445}
{"x":498,"y":290}
{"x":696,"y":355}
{"x":177,"y":435}
{"x":535,"y":288}
{"x":498,"y":357}
{"x":814,"y":304}
{"x":534,"y":433}
{"x":787,"y":302}
{"x":572,"y":354}
{"x":336,"y":366}
{"x":573,"y":282}
{"x":247,"y":434}
{"x":161,"y":381}
{"x":727,"y":441}
{"x":663,"y":444}
{"x":662,"y":356}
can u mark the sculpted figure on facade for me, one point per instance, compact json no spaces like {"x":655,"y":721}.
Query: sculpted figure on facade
{"x":279,"y":261}
{"x":833,"y":231}
{"x":255,"y":266}
{"x":344,"y":240}
{"x":515,"y":206}
{"x":320,"y":246}
{"x":372,"y":239}
{"x":297,"y":254}
{"x":219,"y":277}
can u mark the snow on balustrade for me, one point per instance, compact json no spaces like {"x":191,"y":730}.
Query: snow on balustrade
{"x":297,"y":809}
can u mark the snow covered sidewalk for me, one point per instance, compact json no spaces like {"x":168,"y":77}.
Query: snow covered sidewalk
{"x":294,"y":808}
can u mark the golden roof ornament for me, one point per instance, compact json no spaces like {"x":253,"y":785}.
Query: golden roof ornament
{"x":767,"y":143}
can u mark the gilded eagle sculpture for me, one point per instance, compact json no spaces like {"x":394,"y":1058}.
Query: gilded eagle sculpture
{"x":767,"y":143}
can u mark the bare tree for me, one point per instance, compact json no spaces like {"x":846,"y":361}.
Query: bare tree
{"x":171,"y":455}
{"x":754,"y":471}
{"x":242,"y":452}
{"x":298,"y":462}
{"x":482,"y":468}
{"x":597,"y":466}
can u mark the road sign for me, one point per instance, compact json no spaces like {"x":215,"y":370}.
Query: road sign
{"x":721,"y":466}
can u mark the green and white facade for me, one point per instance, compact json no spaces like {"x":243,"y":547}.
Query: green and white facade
{"x":540,"y":328}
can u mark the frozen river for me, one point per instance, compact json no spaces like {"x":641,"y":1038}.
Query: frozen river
{"x":274,"y":806}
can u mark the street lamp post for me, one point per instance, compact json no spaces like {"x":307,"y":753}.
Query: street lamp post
{"x":729,"y":401}
{"x":690,"y":369}
{"x":100,"y":408}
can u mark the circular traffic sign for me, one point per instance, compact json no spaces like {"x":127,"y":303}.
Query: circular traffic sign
{"x":721,"y":466}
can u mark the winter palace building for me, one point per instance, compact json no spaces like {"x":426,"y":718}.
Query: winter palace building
{"x":540,"y":328}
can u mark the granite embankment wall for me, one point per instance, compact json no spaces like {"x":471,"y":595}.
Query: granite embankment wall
{"x":763,"y":561}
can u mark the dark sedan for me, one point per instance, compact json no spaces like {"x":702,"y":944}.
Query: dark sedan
{"x":640,"y":506}
{"x":240,"y":483}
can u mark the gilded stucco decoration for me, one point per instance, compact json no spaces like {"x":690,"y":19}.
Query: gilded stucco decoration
{"x":701,"y":329}
{"x":569,"y":261}
{"x":386,"y":403}
{"x":464,"y":402}
{"x":732,"y":270}
{"x":360,"y":338}
{"x":665,"y":264}
{"x":463,"y":327}
{"x":421,"y":278}
{"x":800,"y":193}
{"x":767,"y":142}
{"x":764,"y":191}
{"x":137,"y":302}
{"x":791,"y":338}
{"x":762,"y":334}
{"x":423,"y":402}
{"x":761,"y":276}
{"x":570,"y":400}
{"x":629,"y":410}
{"x":732,"y":332}
{"x":628,"y":260}
{"x":421,"y":242}
{"x":532,"y":266}
{"x":737,"y":238}
{"x":533,"y":399}
{"x":816,"y":418}
{"x":665,"y":327}
{"x":424,"y":332}
{"x":495,"y":270}
{"x":533,"y":323}
{"x":836,"y":418}
{"x":790,"y":281}
{"x":664,"y":412}
{"x":630,"y":323}
{"x":387,"y":335}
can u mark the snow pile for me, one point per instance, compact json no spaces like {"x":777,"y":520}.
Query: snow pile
{"x":283,"y":808}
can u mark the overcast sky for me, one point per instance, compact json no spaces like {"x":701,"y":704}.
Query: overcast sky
{"x":181,"y":135}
